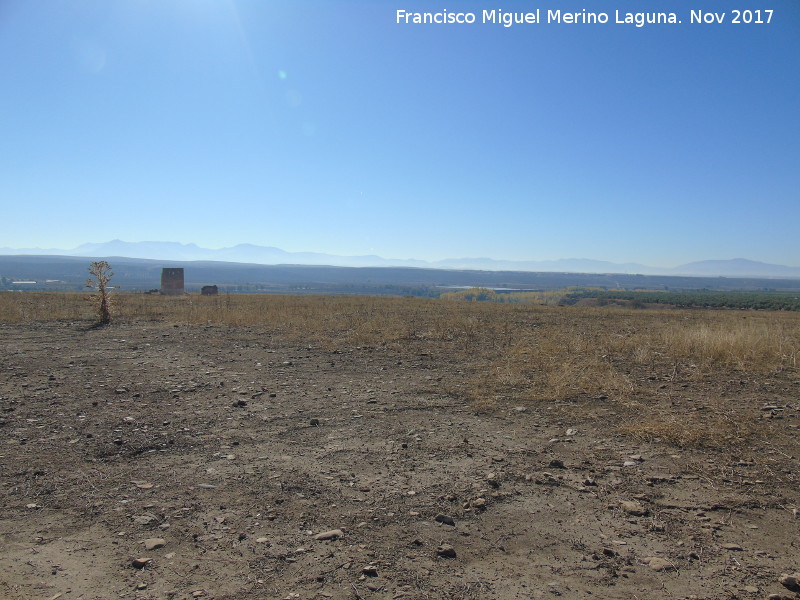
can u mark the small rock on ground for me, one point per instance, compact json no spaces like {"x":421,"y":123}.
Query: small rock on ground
{"x":659,"y":564}
{"x":154,"y":543}
{"x":734,"y":547}
{"x":333,"y":534}
{"x":633,"y":508}
{"x":791,"y":582}
{"x":445,"y":519}
{"x":140,"y":563}
{"x":145,"y":519}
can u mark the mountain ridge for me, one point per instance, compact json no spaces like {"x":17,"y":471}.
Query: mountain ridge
{"x":270,"y":255}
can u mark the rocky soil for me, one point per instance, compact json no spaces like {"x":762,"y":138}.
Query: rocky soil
{"x":149,"y":461}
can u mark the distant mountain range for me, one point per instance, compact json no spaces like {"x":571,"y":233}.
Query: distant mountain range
{"x":267,"y":255}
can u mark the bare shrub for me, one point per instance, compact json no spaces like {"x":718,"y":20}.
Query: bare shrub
{"x":101,"y":274}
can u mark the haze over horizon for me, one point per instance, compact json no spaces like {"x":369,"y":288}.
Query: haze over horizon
{"x":329,"y":127}
{"x":270,"y":255}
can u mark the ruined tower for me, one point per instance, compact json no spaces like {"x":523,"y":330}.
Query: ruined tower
{"x":172,"y":281}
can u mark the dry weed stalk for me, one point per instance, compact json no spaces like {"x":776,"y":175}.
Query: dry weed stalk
{"x":102,"y":301}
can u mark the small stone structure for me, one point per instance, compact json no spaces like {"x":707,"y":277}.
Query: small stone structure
{"x":209,"y":290}
{"x":172,"y":282}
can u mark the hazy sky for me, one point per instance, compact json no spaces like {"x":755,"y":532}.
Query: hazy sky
{"x":326,"y":126}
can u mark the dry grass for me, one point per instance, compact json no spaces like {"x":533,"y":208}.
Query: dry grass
{"x":509,"y":352}
{"x":717,"y":429}
{"x":744,"y":344}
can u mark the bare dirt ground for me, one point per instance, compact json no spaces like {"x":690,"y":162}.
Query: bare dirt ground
{"x":218,"y":454}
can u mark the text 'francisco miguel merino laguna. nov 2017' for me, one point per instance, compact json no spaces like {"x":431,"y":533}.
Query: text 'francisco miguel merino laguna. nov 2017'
{"x":583,"y":17}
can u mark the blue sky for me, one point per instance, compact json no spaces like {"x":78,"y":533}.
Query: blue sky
{"x":326,"y":126}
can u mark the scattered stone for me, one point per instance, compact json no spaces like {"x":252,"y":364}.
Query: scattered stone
{"x":659,"y":564}
{"x":206,"y":486}
{"x":479,"y":503}
{"x":140,"y":563}
{"x":141,"y":586}
{"x":372,"y":587}
{"x":629,"y":463}
{"x":154,"y":543}
{"x":370,"y":571}
{"x":556,"y":464}
{"x":791,"y":582}
{"x":733,"y":547}
{"x":262,"y":540}
{"x":633,"y":508}
{"x":333,"y":534}
{"x":446,"y":551}
{"x":32,"y":506}
{"x":314,"y":422}
{"x":572,"y":432}
{"x":444,"y":519}
{"x":198,"y":593}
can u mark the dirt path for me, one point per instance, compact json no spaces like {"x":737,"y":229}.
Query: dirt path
{"x":228,"y":451}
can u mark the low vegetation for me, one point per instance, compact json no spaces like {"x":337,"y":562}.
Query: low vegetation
{"x":764,"y":300}
{"x":513,"y":352}
{"x":549,"y":297}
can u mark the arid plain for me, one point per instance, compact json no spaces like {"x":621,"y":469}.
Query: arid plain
{"x":372,"y":448}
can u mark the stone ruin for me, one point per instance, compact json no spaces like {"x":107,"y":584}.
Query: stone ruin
{"x":172,"y":282}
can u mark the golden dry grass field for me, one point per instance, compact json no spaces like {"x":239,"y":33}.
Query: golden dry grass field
{"x":580,"y":451}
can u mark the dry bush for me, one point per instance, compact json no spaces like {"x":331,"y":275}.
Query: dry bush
{"x":101,"y":299}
